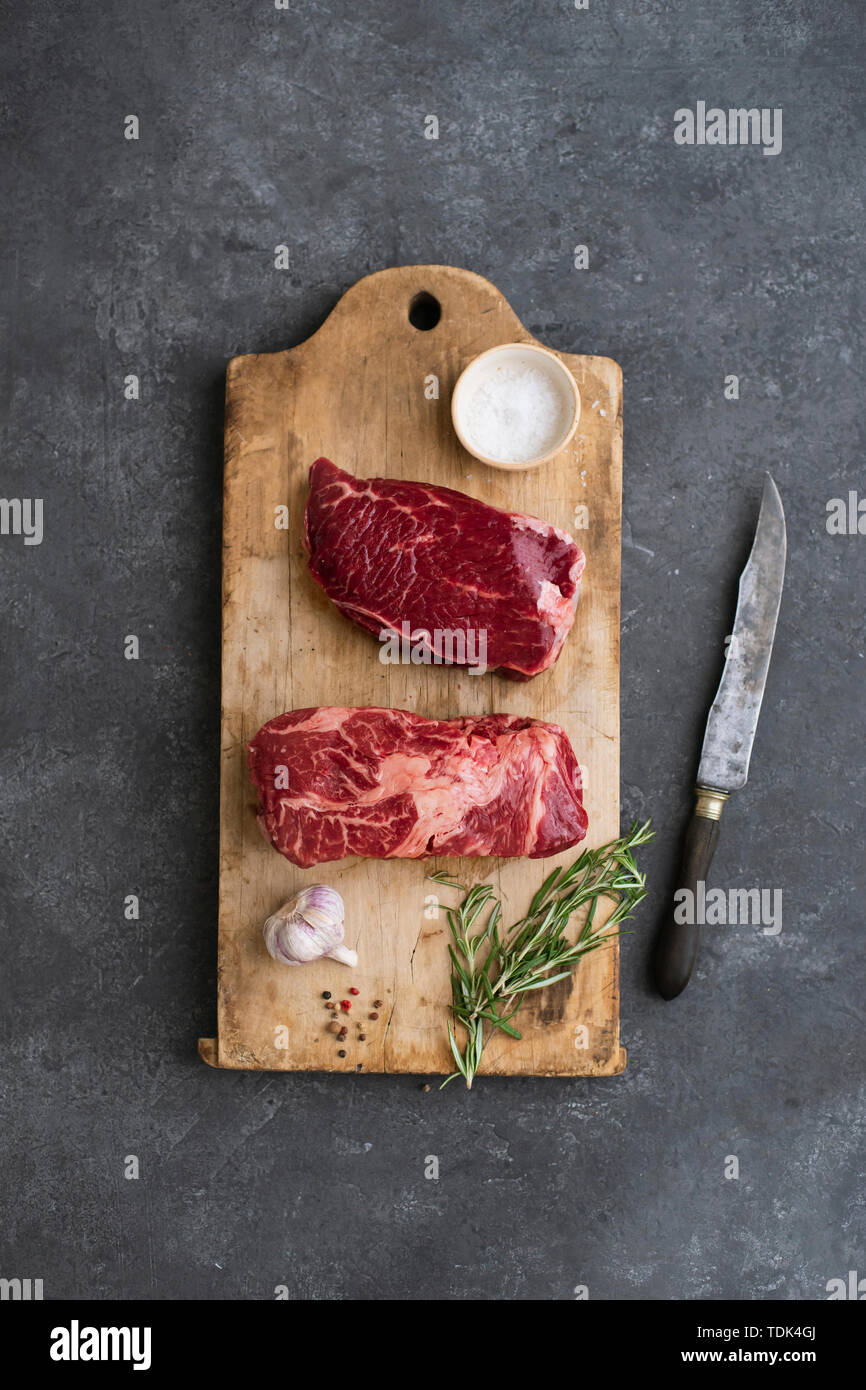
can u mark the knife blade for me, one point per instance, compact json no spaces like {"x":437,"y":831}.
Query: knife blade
{"x":730,"y":730}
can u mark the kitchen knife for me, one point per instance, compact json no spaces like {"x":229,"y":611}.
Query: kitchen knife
{"x":730,"y":730}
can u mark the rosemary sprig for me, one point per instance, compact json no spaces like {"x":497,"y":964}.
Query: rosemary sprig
{"x":491,"y":971}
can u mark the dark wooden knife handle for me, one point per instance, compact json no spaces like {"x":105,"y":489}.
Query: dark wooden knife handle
{"x":677,"y":945}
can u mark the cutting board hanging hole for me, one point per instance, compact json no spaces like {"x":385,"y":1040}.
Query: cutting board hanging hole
{"x":425,"y":311}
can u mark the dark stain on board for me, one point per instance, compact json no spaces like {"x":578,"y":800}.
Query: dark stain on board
{"x":550,"y":1003}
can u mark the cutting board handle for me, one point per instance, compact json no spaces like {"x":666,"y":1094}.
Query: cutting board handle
{"x":419,"y":303}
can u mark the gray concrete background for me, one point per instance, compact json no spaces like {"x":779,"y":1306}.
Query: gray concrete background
{"x":156,"y":257}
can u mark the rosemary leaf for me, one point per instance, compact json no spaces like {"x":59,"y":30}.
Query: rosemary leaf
{"x":493,"y":969}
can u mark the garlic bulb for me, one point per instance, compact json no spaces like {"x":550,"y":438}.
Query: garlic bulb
{"x":308,"y":927}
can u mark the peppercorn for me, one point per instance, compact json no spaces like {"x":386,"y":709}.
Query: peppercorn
{"x":326,"y":994}
{"x":377,"y":1003}
{"x":342,"y":1052}
{"x":425,"y":1087}
{"x":372,"y":1015}
{"x":362,"y":1037}
{"x":359,"y":1067}
{"x":345,"y":1005}
{"x":354,"y":991}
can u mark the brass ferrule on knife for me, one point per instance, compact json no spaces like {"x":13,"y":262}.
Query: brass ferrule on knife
{"x":709,"y":803}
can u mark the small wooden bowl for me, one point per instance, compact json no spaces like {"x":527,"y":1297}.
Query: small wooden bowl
{"x":481,"y":368}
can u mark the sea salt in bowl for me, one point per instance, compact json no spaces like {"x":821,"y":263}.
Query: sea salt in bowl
{"x":515,"y":406}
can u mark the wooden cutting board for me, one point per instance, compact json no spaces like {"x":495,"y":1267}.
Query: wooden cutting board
{"x":373,"y":393}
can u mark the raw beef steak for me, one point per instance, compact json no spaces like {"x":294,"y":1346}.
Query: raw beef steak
{"x":413,"y":558}
{"x":388,"y":784}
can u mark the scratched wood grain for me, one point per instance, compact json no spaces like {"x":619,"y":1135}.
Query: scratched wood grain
{"x":360,"y":392}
